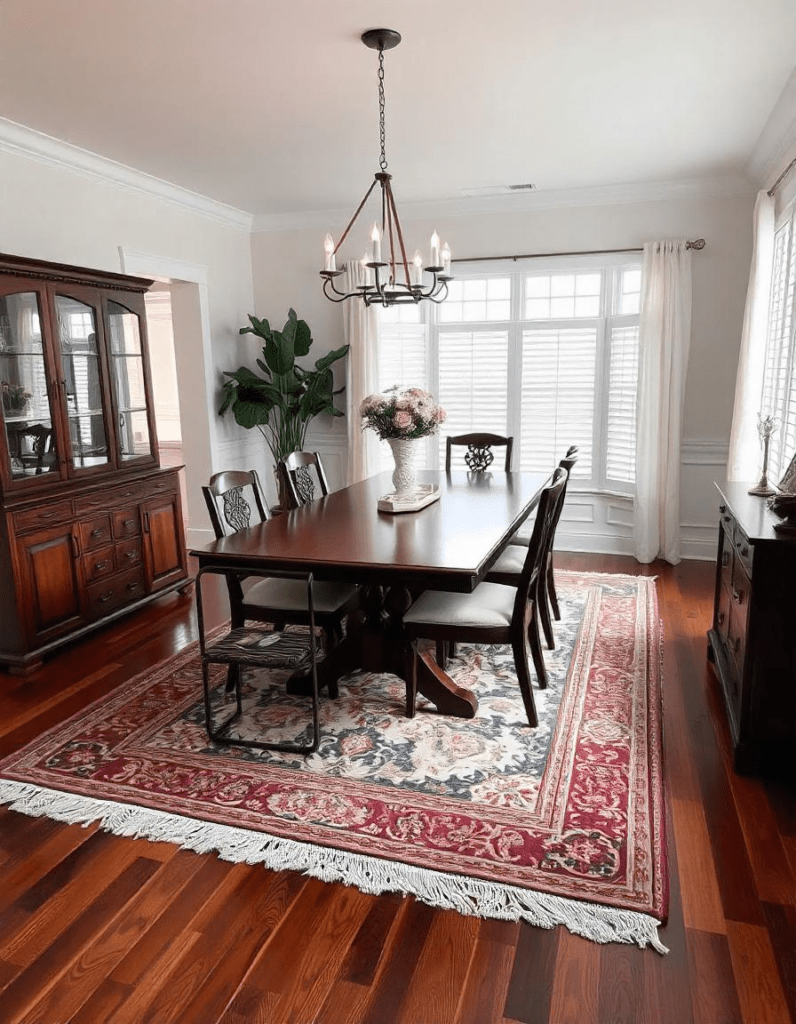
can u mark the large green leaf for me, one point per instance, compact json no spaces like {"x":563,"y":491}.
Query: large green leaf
{"x":303,"y":339}
{"x":331,"y":357}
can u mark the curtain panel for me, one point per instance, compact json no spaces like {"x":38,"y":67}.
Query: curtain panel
{"x":664,"y":340}
{"x":362,"y":376}
{"x":745,"y":453}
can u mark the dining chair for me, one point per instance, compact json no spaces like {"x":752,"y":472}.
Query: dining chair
{"x":235,"y":501}
{"x":509,"y":563}
{"x":302,"y":472}
{"x":479,"y":455}
{"x":240,"y":647}
{"x":492,"y":614}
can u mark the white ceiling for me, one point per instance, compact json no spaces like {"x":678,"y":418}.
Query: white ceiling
{"x":270,"y":106}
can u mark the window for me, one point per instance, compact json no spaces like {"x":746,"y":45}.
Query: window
{"x":545,"y":351}
{"x":779,"y":380}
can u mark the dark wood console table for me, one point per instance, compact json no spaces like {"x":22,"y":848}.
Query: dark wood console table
{"x":752,"y":642}
{"x":450,"y":545}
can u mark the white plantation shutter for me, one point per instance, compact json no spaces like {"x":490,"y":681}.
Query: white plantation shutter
{"x":779,"y":379}
{"x":549,"y":356}
{"x":473,"y":380}
{"x":620,"y":436}
{"x":559,"y":369}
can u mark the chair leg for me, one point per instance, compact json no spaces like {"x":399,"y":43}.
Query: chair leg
{"x":536,"y":647}
{"x":442,"y":653}
{"x":410,"y":673}
{"x":520,"y":649}
{"x":543,"y":608}
{"x":214,"y":733}
{"x":551,"y":589}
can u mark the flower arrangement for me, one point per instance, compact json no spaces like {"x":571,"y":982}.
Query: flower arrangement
{"x":406,"y":413}
{"x":15,"y":397}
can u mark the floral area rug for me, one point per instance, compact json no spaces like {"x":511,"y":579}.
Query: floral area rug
{"x":562,"y":824}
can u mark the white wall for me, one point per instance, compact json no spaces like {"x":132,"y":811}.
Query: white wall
{"x":54,"y":213}
{"x":286,"y":264}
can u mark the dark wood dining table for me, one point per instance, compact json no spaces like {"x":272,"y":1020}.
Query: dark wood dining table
{"x":449,"y":545}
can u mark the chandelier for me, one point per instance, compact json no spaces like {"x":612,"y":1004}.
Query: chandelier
{"x":387,"y":276}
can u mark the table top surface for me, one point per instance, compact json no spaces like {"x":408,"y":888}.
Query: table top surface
{"x":752,"y":512}
{"x":451,"y":544}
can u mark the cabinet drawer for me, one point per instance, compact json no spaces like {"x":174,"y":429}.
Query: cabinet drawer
{"x":108,"y":595}
{"x":743,"y":548}
{"x":161,"y":485}
{"x":727,"y":520}
{"x":98,"y":564}
{"x":129,"y":553}
{"x":44,"y":515}
{"x":102,"y":500}
{"x":96,"y":532}
{"x":126,"y":523}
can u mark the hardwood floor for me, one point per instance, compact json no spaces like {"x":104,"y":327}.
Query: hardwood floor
{"x":97,"y":928}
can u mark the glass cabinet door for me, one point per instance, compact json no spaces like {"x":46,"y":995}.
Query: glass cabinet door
{"x":127,"y":374}
{"x":82,"y":377}
{"x":26,"y":409}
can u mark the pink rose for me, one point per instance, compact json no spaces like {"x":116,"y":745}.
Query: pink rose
{"x":402,"y":420}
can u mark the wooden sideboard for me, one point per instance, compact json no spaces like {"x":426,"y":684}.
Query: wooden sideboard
{"x":90,"y":525}
{"x":752,"y":642}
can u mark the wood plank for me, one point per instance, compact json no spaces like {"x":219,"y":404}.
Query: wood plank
{"x":443,"y":965}
{"x":484,"y":993}
{"x":781,"y":923}
{"x":702,"y":907}
{"x":713,"y":994}
{"x":774,"y":880}
{"x":576,"y":983}
{"x":621,"y":983}
{"x":757,"y":981}
{"x":531,"y":984}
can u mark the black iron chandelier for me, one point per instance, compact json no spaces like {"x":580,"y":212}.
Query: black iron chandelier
{"x":394,"y":279}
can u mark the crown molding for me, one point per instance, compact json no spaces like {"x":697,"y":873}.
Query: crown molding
{"x":595,"y":195}
{"x":16,"y":138}
{"x":776,"y":145}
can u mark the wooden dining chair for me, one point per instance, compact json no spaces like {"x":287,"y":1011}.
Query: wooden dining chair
{"x":479,"y":455}
{"x":509,"y":562}
{"x":303,"y":475}
{"x":235,"y":501}
{"x":492,"y":614}
{"x":245,"y":646}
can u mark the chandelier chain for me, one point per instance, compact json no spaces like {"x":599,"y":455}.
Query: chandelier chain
{"x":382,"y":133}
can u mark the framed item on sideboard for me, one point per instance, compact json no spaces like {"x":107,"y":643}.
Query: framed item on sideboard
{"x":788,"y":482}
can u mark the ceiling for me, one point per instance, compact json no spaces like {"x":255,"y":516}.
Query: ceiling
{"x":270,"y":106}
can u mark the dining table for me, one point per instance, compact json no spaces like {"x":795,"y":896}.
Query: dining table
{"x":449,"y":545}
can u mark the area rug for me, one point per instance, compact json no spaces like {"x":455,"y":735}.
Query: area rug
{"x":561,"y":824}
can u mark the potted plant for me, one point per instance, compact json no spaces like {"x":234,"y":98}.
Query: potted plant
{"x":15,"y":397}
{"x":282,"y":400}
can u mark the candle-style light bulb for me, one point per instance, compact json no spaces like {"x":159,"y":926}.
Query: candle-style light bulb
{"x":446,"y":260}
{"x":367,"y":280}
{"x":376,"y":239}
{"x":417,"y":269}
{"x":435,"y":250}
{"x":329,"y":262}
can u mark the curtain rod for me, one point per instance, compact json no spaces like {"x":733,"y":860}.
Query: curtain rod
{"x":697,"y":243}
{"x":782,"y":176}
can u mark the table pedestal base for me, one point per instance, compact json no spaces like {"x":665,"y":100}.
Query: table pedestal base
{"x":375,"y":642}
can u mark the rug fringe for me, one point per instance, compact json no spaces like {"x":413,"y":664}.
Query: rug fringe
{"x":471,"y":896}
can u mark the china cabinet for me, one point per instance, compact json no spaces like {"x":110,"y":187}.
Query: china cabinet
{"x":90,"y":525}
{"x":752,"y":642}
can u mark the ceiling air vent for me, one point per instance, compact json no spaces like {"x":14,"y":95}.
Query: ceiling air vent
{"x":498,"y":190}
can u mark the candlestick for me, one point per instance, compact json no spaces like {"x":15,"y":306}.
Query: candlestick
{"x":376,"y":239}
{"x":435,"y":250}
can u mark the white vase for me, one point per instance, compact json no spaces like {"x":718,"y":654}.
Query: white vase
{"x":404,"y":453}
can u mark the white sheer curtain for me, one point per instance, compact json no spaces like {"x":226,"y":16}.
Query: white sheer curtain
{"x":745,"y":458}
{"x":362,"y":376}
{"x":664,"y":339}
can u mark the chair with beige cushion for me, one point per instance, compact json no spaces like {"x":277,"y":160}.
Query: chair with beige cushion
{"x":509,"y":565}
{"x":235,"y":501}
{"x":304,"y":477}
{"x":479,"y":455}
{"x":492,"y":614}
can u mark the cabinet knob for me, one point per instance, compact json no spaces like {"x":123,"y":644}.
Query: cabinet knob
{"x":97,"y":532}
{"x":744,"y":550}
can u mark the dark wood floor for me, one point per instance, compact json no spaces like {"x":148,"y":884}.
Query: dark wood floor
{"x":98,"y":928}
